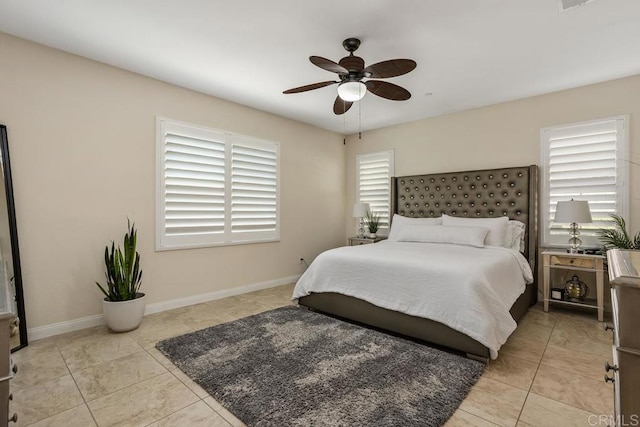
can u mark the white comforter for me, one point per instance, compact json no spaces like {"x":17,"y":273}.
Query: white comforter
{"x":468,"y":289}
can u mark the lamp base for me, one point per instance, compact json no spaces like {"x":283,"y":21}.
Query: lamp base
{"x":361,"y":229}
{"x":574,"y":241}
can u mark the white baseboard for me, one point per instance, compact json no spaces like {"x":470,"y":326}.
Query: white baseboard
{"x":40,"y":332}
{"x":210,"y":296}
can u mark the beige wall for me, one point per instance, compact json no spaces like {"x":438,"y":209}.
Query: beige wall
{"x":82,"y":141}
{"x":501,"y":135}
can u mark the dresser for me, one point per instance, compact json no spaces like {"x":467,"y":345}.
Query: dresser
{"x":624,"y":370}
{"x":7,"y":368}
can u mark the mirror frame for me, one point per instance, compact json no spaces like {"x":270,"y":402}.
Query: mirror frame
{"x":13,"y":231}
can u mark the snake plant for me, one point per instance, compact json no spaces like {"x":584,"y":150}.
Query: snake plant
{"x":618,"y":237}
{"x":123,"y":269}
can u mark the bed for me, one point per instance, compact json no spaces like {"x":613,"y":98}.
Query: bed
{"x":510,"y":192}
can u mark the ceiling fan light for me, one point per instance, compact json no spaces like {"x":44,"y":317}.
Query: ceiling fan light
{"x":352,"y":91}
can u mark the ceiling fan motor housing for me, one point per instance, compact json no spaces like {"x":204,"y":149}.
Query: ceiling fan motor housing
{"x":354,"y":64}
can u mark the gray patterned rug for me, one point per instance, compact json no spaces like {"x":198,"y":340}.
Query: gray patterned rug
{"x":294,"y":367}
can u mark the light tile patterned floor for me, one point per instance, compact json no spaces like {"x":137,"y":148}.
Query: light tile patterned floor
{"x":548,"y":374}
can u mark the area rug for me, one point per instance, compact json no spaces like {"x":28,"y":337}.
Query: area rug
{"x":294,"y":367}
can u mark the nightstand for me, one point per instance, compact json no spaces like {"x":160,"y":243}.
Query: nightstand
{"x":574,"y":264}
{"x":355,"y":241}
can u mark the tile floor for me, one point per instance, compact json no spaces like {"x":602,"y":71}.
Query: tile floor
{"x":548,"y":374}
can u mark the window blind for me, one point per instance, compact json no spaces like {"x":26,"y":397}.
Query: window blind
{"x":374,"y":171}
{"x":214,"y":188}
{"x":584,"y":162}
{"x":194,"y":184}
{"x":254,"y":189}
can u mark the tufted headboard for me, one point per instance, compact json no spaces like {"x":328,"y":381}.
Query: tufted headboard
{"x":511,"y":192}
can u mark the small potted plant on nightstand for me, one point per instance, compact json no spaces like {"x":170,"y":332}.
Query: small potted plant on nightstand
{"x":123,"y":306}
{"x":373,"y":221}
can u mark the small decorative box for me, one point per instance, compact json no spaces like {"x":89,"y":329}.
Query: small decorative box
{"x":557,"y":294}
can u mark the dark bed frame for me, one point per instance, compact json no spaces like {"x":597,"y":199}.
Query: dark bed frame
{"x":511,"y":192}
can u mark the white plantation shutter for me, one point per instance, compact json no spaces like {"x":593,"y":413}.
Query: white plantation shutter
{"x":373,"y":173}
{"x":254,"y":190}
{"x":584,"y":161}
{"x":214,"y":188}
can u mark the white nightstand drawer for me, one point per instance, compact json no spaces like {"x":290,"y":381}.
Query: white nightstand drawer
{"x":572,"y":261}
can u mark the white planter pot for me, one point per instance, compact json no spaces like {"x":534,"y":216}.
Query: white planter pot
{"x":123,"y":316}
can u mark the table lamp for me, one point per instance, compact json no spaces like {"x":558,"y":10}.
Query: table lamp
{"x":360,"y":211}
{"x":573,"y":212}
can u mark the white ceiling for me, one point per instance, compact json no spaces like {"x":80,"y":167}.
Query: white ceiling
{"x":470,"y":53}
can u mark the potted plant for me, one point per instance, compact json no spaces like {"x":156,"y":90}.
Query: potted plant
{"x":123,"y":305}
{"x":618,"y":237}
{"x":373,"y":221}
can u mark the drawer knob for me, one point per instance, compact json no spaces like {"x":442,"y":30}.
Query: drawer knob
{"x":14,"y":419}
{"x":14,"y":368}
{"x":608,"y":327}
{"x":608,"y":367}
{"x":608,"y":379}
{"x":11,"y":396}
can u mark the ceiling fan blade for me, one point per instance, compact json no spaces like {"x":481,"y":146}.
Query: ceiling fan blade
{"x":391,"y":68}
{"x":310,"y":87}
{"x":327,"y":64}
{"x":341,"y":106}
{"x":387,"y":90}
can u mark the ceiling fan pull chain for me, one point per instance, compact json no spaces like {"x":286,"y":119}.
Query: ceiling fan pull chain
{"x":359,"y":120}
{"x":344,"y":129}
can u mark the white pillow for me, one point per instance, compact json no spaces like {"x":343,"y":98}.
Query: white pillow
{"x":497,"y":227}
{"x":399,"y":222}
{"x":515,"y":235}
{"x":470,"y":236}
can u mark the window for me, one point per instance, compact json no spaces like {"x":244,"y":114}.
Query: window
{"x":373,"y":180}
{"x":214,"y":188}
{"x":584,"y":161}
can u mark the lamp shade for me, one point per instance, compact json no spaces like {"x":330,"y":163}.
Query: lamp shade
{"x":360,"y":209}
{"x":352,"y":91}
{"x":573,"y":211}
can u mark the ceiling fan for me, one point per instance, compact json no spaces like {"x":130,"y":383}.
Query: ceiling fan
{"x":351,"y":71}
